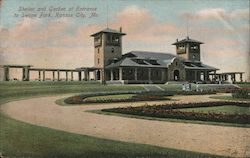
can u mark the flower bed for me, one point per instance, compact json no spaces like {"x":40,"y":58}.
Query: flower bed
{"x":171,"y":111}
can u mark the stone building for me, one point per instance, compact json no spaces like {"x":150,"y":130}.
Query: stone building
{"x":147,"y":67}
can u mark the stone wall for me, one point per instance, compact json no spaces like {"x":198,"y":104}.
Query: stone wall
{"x":176,"y":65}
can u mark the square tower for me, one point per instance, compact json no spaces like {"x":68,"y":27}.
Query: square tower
{"x":188,"y":49}
{"x":107,"y":46}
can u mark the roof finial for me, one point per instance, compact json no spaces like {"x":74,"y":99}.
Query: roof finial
{"x":187,"y":29}
{"x":107,"y":6}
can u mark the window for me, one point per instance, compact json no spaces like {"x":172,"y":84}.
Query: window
{"x":194,"y":47}
{"x":98,"y":40}
{"x":98,"y":50}
{"x":113,"y":39}
{"x":98,"y":61}
{"x":112,"y":50}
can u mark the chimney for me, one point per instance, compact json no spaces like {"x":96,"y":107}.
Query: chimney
{"x":177,"y":40}
{"x":121,"y":29}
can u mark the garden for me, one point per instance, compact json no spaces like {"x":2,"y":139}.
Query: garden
{"x":226,"y":112}
{"x":128,"y":96}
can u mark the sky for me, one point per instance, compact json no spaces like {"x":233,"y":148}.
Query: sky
{"x":65,"y":42}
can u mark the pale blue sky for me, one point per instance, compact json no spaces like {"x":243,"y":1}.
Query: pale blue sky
{"x":163,"y":10}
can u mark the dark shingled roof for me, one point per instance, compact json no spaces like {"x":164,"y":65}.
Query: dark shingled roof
{"x":108,"y":30}
{"x":187,"y":40}
{"x":163,"y":60}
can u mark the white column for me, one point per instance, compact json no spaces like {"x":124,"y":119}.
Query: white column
{"x":136,"y":74}
{"x":6,"y":74}
{"x":120,"y":73}
{"x":72,"y":76}
{"x":58,"y":75}
{"x":43,"y":75}
{"x":39,"y":75}
{"x":149,"y":74}
{"x":195,"y":75}
{"x":80,"y":75}
{"x":111,"y":75}
{"x":162,"y":74}
{"x":53,"y":74}
{"x":66,"y":72}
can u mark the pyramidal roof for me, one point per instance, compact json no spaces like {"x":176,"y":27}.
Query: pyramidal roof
{"x":108,"y":30}
{"x":187,"y":40}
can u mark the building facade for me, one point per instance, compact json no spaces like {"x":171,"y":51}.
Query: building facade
{"x":111,"y":66}
{"x":147,"y":67}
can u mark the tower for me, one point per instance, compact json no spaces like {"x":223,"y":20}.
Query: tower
{"x":188,"y":49}
{"x":107,"y":47}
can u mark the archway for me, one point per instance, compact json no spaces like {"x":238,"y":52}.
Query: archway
{"x":176,"y":75}
{"x":98,"y":75}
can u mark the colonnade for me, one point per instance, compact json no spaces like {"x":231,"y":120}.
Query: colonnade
{"x":26,"y":70}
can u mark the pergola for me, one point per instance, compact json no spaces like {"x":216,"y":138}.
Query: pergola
{"x":225,"y":76}
{"x":42,"y":72}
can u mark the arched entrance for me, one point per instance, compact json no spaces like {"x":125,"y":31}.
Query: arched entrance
{"x":98,"y":75}
{"x":176,"y":75}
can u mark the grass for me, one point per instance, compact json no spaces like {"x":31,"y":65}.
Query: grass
{"x":227,"y":109}
{"x":18,"y":139}
{"x":12,"y":89}
{"x":244,"y":85}
{"x":23,"y":140}
{"x":229,"y":98}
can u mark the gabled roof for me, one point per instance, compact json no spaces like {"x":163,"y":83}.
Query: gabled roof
{"x":108,"y":30}
{"x":130,"y":62}
{"x":187,"y":40}
{"x":201,"y":66}
{"x":153,"y":55}
{"x":162,"y":58}
{"x":163,"y":61}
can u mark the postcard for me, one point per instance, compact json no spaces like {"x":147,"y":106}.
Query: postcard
{"x":124,"y":78}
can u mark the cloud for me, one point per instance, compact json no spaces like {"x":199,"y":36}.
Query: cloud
{"x":217,"y":13}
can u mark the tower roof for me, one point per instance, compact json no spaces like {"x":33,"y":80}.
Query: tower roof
{"x":108,"y":30}
{"x":187,"y":40}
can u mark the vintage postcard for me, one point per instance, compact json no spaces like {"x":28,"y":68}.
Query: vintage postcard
{"x":124,"y":78}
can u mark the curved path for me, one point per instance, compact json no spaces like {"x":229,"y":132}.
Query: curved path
{"x":220,"y":140}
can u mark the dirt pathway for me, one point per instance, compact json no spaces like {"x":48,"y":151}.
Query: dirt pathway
{"x":228,"y":141}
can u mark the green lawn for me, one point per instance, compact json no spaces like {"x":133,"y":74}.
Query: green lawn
{"x":227,"y":109}
{"x":18,"y":139}
{"x":244,"y":85}
{"x":229,"y":98}
{"x":12,"y":89}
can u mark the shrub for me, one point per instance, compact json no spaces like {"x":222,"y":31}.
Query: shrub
{"x":241,"y":93}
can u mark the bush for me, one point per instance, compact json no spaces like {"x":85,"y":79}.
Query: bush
{"x":241,"y":93}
